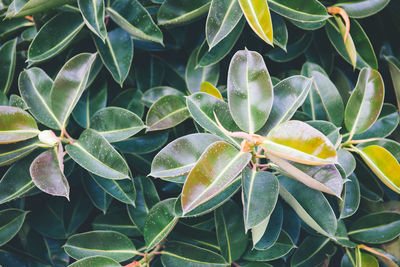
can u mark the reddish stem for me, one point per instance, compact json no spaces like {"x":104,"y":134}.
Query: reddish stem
{"x":334,"y":10}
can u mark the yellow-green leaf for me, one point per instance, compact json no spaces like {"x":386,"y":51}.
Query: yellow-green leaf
{"x":210,"y":89}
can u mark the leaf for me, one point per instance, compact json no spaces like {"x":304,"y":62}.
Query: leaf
{"x":93,"y":99}
{"x":183,"y":254}
{"x":180,"y":156}
{"x":280,"y":31}
{"x":216,"y":168}
{"x":126,"y":13}
{"x":351,"y":197}
{"x":219,"y":27}
{"x":365,"y":51}
{"x":394,"y":68}
{"x":292,"y":51}
{"x":149,"y":71}
{"x":143,"y":144}
{"x":116,"y":124}
{"x":174,"y":12}
{"x":99,"y":198}
{"x":346,"y":161}
{"x":100,"y":243}
{"x":55,"y":36}
{"x":289,"y":95}
{"x":98,"y":261}
{"x":313,"y":251}
{"x":230,"y":231}
{"x":328,"y":129}
{"x":365,"y":259}
{"x":95,"y":154}
{"x":8,"y":53}
{"x":299,"y":142}
{"x":376,"y":228}
{"x":197,"y":236}
{"x":258,"y":17}
{"x":362,"y":8}
{"x":9,"y":153}
{"x":210,"y":89}
{"x":116,"y":52}
{"x":47,"y":172}
{"x":159,"y":222}
{"x":305,"y":11}
{"x":250,"y":91}
{"x":11,"y":221}
{"x":195,"y":75}
{"x":166,"y":112}
{"x":153,"y":94}
{"x":257,"y":205}
{"x":365,"y":102}
{"x":116,"y":221}
{"x":310,"y":205}
{"x":31,"y":7}
{"x":131,"y":100}
{"x":282,"y":247}
{"x":16,"y":125}
{"x":122,"y":190}
{"x":383,"y":164}
{"x":93,"y":13}
{"x":69,"y":85}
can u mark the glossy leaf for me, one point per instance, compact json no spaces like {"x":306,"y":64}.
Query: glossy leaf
{"x":116,"y":221}
{"x":11,"y":221}
{"x":93,"y":13}
{"x":30,"y":7}
{"x":16,"y":125}
{"x":230,"y":231}
{"x":313,"y":251}
{"x":365,"y":51}
{"x":100,"y":243}
{"x":116,"y":53}
{"x":99,"y":198}
{"x":351,"y":197}
{"x":98,"y":261}
{"x":159,"y":222}
{"x":116,"y":124}
{"x":219,"y":27}
{"x":376,"y":228}
{"x":317,"y":213}
{"x":47,"y":173}
{"x":292,"y":51}
{"x":289,"y":95}
{"x":143,"y":144}
{"x":259,"y":18}
{"x":7,"y":62}
{"x":346,"y":161}
{"x":55,"y":36}
{"x":127,"y":13}
{"x":305,"y":11}
{"x":210,"y":89}
{"x":9,"y":153}
{"x":250,"y":91}
{"x":257,"y":205}
{"x":216,"y":168}
{"x":362,"y":8}
{"x":152,"y":95}
{"x":365,"y":102}
{"x":130,"y":100}
{"x":149,"y":71}
{"x":166,"y":112}
{"x":69,"y":85}
{"x":94,"y":153}
{"x":299,"y":142}
{"x":174,"y":12}
{"x":122,"y":190}
{"x":394,"y":68}
{"x":180,"y":156}
{"x":280,"y":31}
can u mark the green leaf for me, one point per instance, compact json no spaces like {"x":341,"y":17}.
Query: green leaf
{"x":292,"y":51}
{"x":152,"y":95}
{"x":362,"y":8}
{"x":281,"y":247}
{"x":55,"y":36}
{"x":47,"y":172}
{"x":219,"y":27}
{"x":116,"y":221}
{"x":131,"y":100}
{"x":180,"y":156}
{"x":365,"y":51}
{"x":310,"y":205}
{"x":183,"y":254}
{"x":289,"y":95}
{"x":351,"y":197}
{"x":9,"y":153}
{"x":100,"y":243}
{"x":98,"y":261}
{"x":69,"y":85}
{"x":99,"y":198}
{"x":11,"y":221}
{"x":30,"y":7}
{"x":11,"y":26}
{"x":376,"y":228}
{"x":259,"y":18}
{"x":257,"y":205}
{"x":116,"y":52}
{"x":250,"y":90}
{"x":122,"y":190}
{"x":394,"y":68}
{"x":197,"y":235}
{"x":93,"y":99}
{"x":346,"y":161}
{"x":93,"y":13}
{"x":365,"y":102}
{"x":195,"y":75}
{"x":214,"y":171}
{"x":35,"y":87}
{"x":159,"y":222}
{"x":280,"y":31}
{"x":313,"y":251}
{"x":95,"y":154}
{"x":116,"y":124}
{"x":166,"y":112}
{"x":149,"y":71}
{"x":299,"y":142}
{"x":16,"y":125}
{"x":174,"y":12}
{"x":8,"y":56}
{"x":230,"y":231}
{"x":147,"y":143}
{"x":126,"y":14}
{"x":304,"y":11}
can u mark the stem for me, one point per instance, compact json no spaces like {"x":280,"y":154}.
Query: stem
{"x":235,"y":264}
{"x":147,"y":258}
